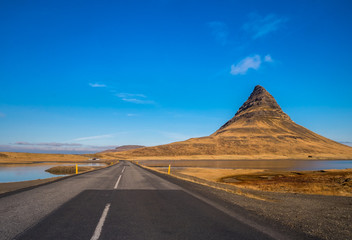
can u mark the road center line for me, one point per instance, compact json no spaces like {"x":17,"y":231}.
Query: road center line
{"x":117,"y":183}
{"x":99,"y":227}
{"x":123,"y":169}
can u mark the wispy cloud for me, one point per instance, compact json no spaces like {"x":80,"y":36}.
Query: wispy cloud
{"x":94,"y":137}
{"x":259,"y":26}
{"x":2,"y":115}
{"x":128,"y":95}
{"x":220,"y":31}
{"x":132,"y":115}
{"x":268,"y":58}
{"x":252,"y":62}
{"x":137,"y":101}
{"x":97,"y":85}
{"x":53,"y":147}
{"x":53,"y":144}
{"x":134,"y":98}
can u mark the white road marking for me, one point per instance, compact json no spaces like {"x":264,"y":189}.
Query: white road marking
{"x":117,"y":183}
{"x":99,"y":227}
{"x":123,"y":169}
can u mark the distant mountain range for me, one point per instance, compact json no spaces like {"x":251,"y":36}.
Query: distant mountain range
{"x":259,"y":130}
{"x":123,"y":148}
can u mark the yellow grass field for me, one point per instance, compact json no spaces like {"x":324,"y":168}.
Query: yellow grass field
{"x":12,"y":157}
{"x":327,"y":182}
{"x":212,"y":174}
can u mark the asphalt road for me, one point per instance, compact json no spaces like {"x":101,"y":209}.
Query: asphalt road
{"x":124,"y":201}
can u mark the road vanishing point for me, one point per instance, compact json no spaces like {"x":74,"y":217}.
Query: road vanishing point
{"x":126,"y":201}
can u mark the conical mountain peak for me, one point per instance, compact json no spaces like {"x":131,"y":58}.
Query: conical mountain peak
{"x":259,"y":98}
{"x":259,"y":130}
{"x":260,"y":105}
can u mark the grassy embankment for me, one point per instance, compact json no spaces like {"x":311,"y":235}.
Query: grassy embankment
{"x":328,"y":182}
{"x":60,"y":170}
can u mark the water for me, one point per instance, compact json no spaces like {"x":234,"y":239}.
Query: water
{"x":284,"y":165}
{"x":25,"y":172}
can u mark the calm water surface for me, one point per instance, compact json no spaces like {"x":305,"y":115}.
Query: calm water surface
{"x":297,"y":165}
{"x":25,"y":172}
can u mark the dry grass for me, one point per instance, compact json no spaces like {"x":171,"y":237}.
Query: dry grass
{"x":12,"y":157}
{"x":212,"y":174}
{"x":237,"y":191}
{"x":329,"y":182}
{"x":60,"y":170}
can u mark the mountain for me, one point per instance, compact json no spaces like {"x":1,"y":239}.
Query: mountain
{"x":123,"y":148}
{"x":259,"y":130}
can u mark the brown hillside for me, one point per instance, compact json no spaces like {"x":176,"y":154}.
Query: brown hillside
{"x":123,"y":148}
{"x":259,"y":129}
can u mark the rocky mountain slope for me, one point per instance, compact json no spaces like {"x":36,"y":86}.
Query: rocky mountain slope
{"x":259,"y":129}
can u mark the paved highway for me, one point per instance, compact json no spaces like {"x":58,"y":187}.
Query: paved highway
{"x":124,"y":201}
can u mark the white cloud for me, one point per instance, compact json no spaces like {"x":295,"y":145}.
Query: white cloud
{"x":220,"y":31}
{"x":128,"y":95}
{"x":93,"y":137}
{"x":245,"y":64}
{"x":137,"y":101}
{"x":251,"y":62}
{"x":97,"y":85}
{"x":136,"y":98}
{"x":268,"y":58}
{"x":259,"y":26}
{"x":51,"y":144}
{"x":132,"y":115}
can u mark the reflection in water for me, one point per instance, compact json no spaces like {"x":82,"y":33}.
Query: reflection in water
{"x":25,"y":172}
{"x":298,"y":165}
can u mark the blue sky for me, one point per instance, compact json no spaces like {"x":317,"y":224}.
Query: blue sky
{"x":81,"y":76}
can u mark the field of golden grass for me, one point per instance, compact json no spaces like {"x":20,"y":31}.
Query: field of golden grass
{"x":327,"y":182}
{"x":212,"y":174}
{"x":12,"y":157}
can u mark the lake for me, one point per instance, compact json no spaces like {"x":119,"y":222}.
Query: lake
{"x":296,"y":165}
{"x":25,"y":172}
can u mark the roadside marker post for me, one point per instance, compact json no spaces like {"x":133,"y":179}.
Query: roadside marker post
{"x":76,"y":169}
{"x":168,"y":171}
